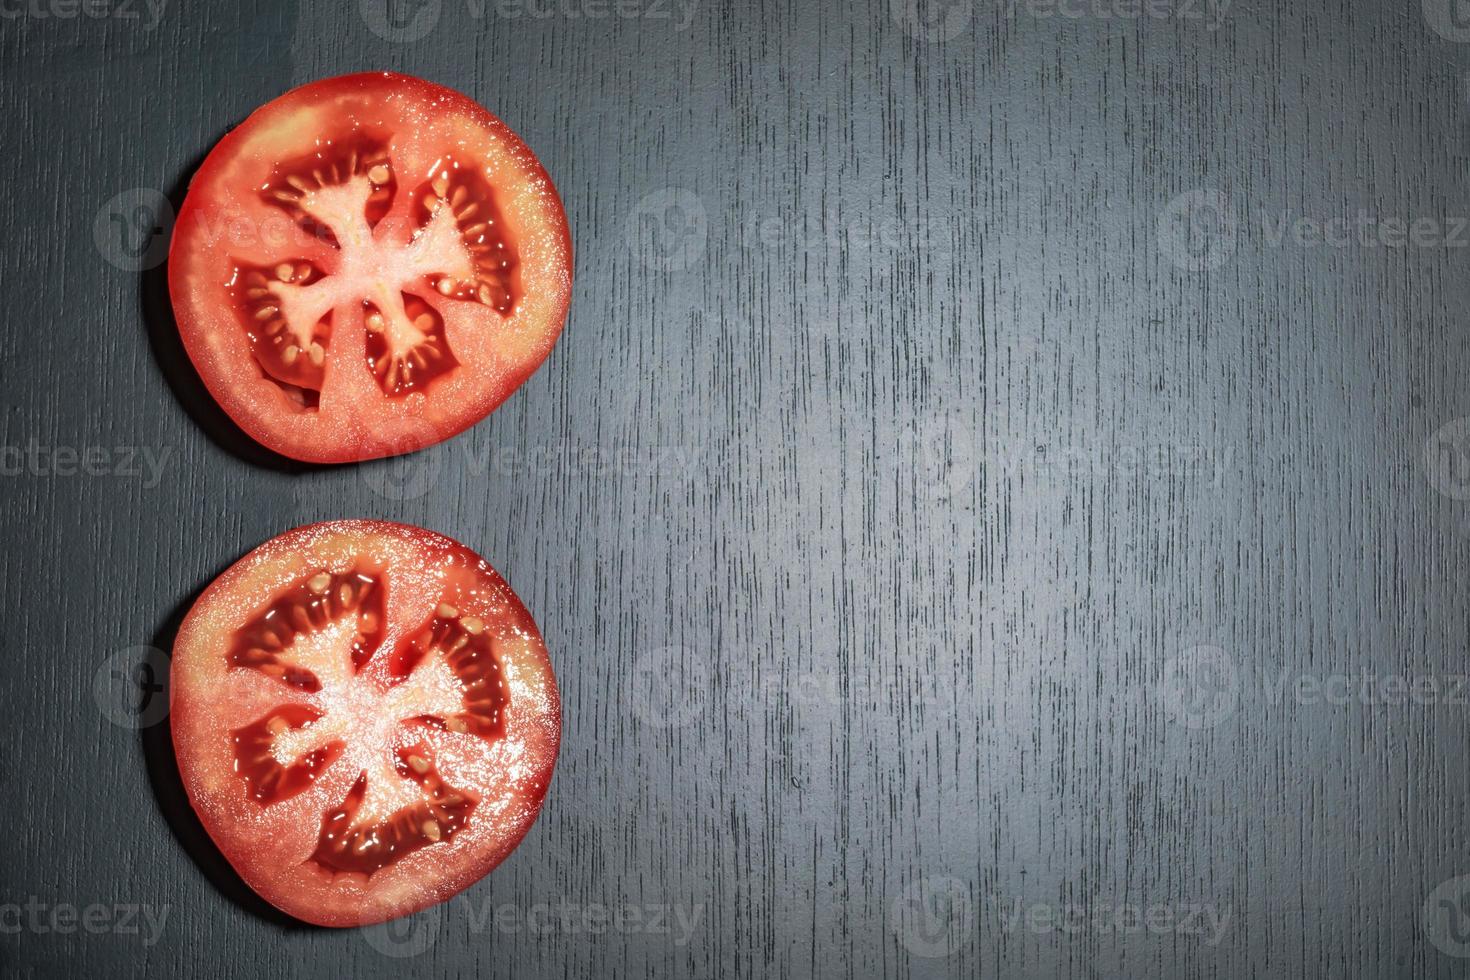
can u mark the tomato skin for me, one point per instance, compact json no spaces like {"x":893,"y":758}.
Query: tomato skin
{"x":270,"y":847}
{"x":223,"y":219}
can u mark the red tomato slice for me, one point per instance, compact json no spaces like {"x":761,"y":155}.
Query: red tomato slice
{"x":365,"y":719}
{"x":368,"y":265}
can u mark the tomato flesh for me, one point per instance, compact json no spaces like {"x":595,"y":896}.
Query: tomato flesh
{"x":365,"y":259}
{"x":365,"y":719}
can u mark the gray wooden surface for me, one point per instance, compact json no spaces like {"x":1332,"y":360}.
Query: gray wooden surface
{"x":967,"y":495}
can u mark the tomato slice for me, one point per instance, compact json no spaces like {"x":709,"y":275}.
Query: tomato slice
{"x":366,"y":266}
{"x":365,"y":719}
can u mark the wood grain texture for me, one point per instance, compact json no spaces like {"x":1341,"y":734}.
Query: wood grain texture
{"x":924,"y":533}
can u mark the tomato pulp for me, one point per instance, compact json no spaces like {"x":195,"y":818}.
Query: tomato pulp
{"x":366,"y":266}
{"x":365,"y":719}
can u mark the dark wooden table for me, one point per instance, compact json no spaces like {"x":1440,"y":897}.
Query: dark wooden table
{"x":999,"y":506}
